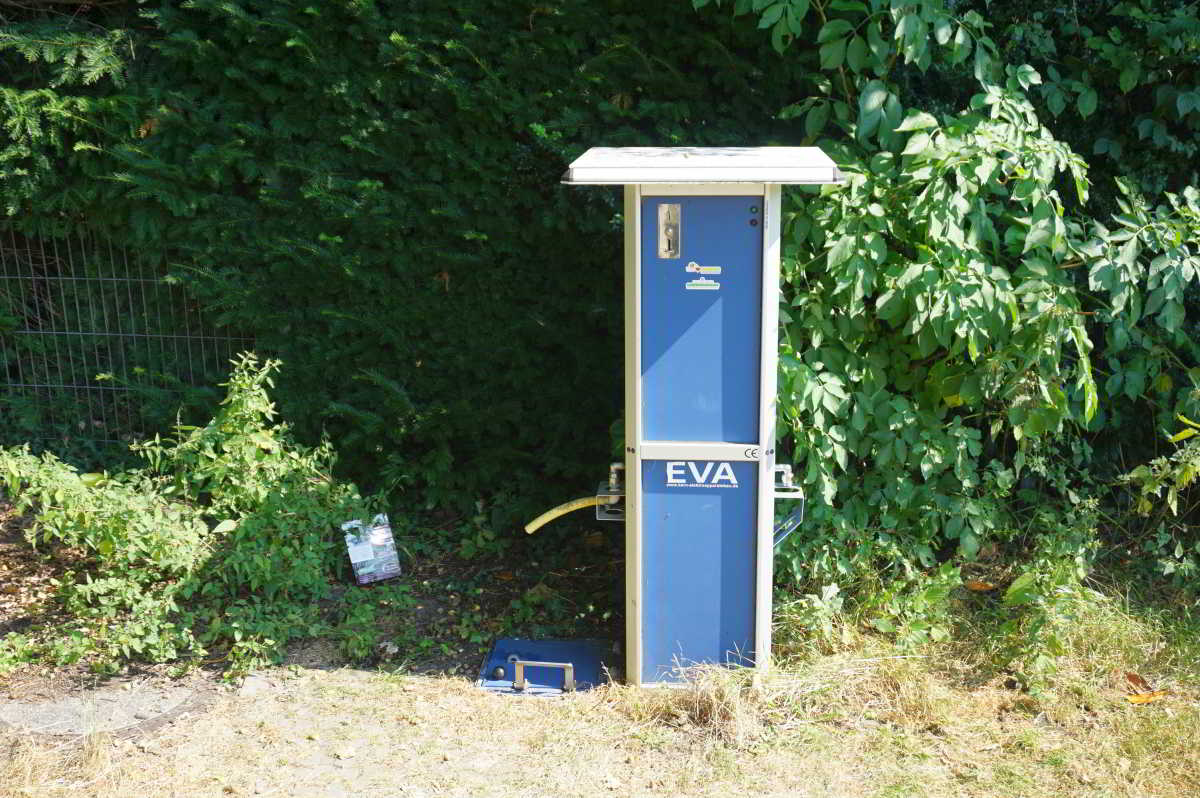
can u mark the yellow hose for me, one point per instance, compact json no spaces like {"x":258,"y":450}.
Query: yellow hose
{"x":563,"y":509}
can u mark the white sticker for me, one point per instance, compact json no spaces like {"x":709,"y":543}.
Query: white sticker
{"x":696,"y":268}
{"x":360,"y":549}
{"x":702,"y":284}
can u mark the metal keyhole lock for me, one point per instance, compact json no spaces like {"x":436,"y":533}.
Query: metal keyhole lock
{"x":669,"y":221}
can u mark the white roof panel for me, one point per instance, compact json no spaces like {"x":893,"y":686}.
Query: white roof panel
{"x":643,"y":165}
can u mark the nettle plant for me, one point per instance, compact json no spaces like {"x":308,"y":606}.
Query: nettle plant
{"x":226,"y":541}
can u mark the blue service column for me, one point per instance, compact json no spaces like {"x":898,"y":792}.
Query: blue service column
{"x":700,"y":353}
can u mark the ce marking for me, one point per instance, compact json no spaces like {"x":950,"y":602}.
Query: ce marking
{"x":752,"y":453}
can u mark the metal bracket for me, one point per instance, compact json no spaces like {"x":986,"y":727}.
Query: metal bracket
{"x":612,"y":506}
{"x":784,"y":487}
{"x":788,"y":525}
{"x":519,"y":673}
{"x":612,"y":494}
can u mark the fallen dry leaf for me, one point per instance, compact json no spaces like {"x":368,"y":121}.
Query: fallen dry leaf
{"x":1139,"y":684}
{"x":1146,"y":698}
{"x":978,"y":585}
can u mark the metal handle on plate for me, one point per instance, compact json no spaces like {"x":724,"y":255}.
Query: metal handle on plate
{"x":519,"y":673}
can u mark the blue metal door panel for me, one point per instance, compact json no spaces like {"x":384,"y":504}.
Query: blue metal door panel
{"x":700,"y":342}
{"x":698,"y":565}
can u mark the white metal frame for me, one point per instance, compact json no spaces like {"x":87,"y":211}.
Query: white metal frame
{"x":633,"y":435}
{"x":767,"y":403}
{"x":701,"y":166}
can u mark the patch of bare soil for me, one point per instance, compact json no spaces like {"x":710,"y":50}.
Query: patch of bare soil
{"x":61,"y":701}
{"x":25,"y":576}
{"x":26,"y":601}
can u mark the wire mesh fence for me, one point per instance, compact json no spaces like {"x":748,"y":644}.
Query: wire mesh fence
{"x":98,"y":349}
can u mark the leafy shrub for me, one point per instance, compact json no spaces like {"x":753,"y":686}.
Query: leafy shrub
{"x":966,"y":351}
{"x":1163,"y":501}
{"x":226,"y":541}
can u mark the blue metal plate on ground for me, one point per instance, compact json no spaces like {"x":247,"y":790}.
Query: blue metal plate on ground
{"x":589,"y":659}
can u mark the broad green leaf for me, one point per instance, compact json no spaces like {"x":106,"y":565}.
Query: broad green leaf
{"x":876,"y":246}
{"x":834,"y":29}
{"x":1041,"y":228}
{"x":795,"y":109}
{"x":879,"y":48}
{"x":1087,"y":102}
{"x":917,"y":120}
{"x":833,"y":54}
{"x":840,"y":251}
{"x":917,"y":144}
{"x":801,"y":227}
{"x":1134,"y":382}
{"x":889,"y":306}
{"x":907,"y":26}
{"x":873,"y":96}
{"x":943,"y":29}
{"x":867,"y":124}
{"x":780,"y":38}
{"x":857,"y":53}
{"x":1056,"y":100}
{"x":870,"y":105}
{"x":794,"y":17}
{"x":961,"y":46}
{"x":1129,"y":251}
{"x":1023,"y":590}
{"x":1129,"y":77}
{"x":228,"y":525}
{"x":814,"y":123}
{"x":983,"y":65}
{"x":1086,"y":380}
{"x":771,"y":15}
{"x":1186,"y":102}
{"x":1172,"y":315}
{"x":1028,"y":76}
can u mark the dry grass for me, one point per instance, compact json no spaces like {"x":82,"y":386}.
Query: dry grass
{"x":855,"y":719}
{"x":78,"y":766}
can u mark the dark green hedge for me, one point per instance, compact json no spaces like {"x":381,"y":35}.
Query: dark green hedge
{"x":371,"y":191}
